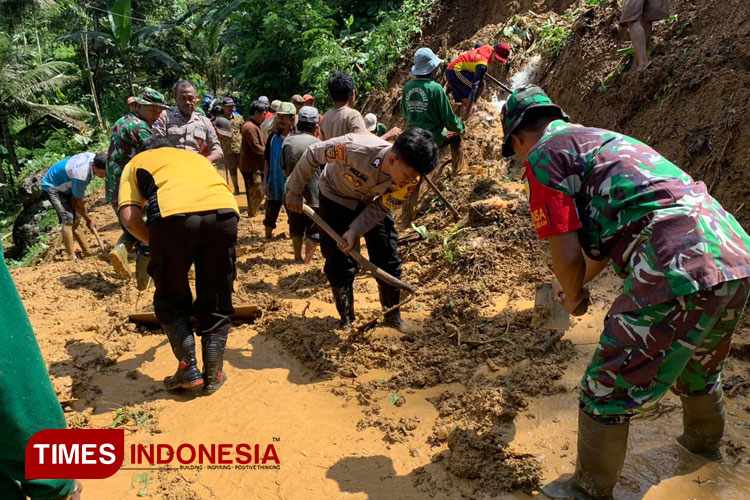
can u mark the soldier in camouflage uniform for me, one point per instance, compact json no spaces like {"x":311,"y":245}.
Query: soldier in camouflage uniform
{"x":602,"y":197}
{"x":126,"y":140}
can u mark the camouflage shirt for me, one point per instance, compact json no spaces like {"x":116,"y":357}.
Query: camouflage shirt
{"x":128,"y":134}
{"x":666,"y":236}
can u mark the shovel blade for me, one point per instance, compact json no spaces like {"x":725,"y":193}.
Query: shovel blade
{"x":548,"y":312}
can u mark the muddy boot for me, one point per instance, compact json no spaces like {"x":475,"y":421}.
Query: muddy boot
{"x":457,"y":158}
{"x":142,"y":259}
{"x":235,"y":183}
{"x":118,"y":256}
{"x":188,"y":376}
{"x":297,"y":246}
{"x":213,"y":345}
{"x":343,"y":297}
{"x":389,"y":297}
{"x":269,"y":233}
{"x":601,"y":454}
{"x":254,"y":199}
{"x":703,"y":424}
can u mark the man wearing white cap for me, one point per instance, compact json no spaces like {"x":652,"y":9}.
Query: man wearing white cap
{"x":268,"y":125}
{"x":425,"y":104}
{"x":373,"y":125}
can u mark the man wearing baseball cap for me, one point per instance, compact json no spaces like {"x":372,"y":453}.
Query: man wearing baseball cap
{"x":232,"y":144}
{"x":269,"y":124}
{"x":466,"y":73}
{"x":301,"y":228}
{"x":126,"y":140}
{"x":600,"y":196}
{"x":274,"y":180}
{"x":425,"y":104}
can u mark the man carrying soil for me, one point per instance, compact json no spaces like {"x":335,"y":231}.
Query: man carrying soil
{"x":191,"y":219}
{"x":126,"y":140}
{"x":365,"y":178}
{"x":600,"y":196}
{"x":301,"y":228}
{"x":424,"y":104}
{"x":274,"y":180}
{"x":65,"y":184}
{"x":638,"y":16}
{"x":465,"y":74}
{"x":252,"y":151}
{"x":186,"y":128}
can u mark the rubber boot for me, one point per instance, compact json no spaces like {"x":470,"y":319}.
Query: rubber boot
{"x":269,"y":233}
{"x":601,"y":454}
{"x":703,"y":424}
{"x":457,"y":158}
{"x":213,"y":345}
{"x":118,"y":256}
{"x":187,"y":376}
{"x":142,"y":259}
{"x":297,"y":246}
{"x":343,"y":297}
{"x":389,"y":297}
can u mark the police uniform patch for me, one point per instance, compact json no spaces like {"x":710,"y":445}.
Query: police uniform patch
{"x":377,"y":162}
{"x":336,"y":152}
{"x":331,"y":152}
{"x":350,"y":178}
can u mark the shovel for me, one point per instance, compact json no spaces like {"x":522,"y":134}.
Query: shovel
{"x":369,"y":266}
{"x":549,"y":313}
{"x":546,"y":309}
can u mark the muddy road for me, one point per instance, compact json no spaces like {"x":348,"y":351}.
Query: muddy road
{"x":470,"y":406}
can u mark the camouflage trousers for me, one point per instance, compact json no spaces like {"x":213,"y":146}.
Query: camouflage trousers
{"x":681,"y":344}
{"x":112,"y":183}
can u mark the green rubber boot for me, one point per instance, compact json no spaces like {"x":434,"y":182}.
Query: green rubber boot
{"x":601,"y":455}
{"x":703,"y":425}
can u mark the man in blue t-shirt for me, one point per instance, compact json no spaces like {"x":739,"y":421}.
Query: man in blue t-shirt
{"x":65,"y":184}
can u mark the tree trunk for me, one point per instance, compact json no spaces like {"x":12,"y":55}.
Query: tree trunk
{"x":91,"y":76}
{"x":8,"y":143}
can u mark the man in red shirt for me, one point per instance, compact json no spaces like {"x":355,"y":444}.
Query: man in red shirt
{"x":466,"y":74}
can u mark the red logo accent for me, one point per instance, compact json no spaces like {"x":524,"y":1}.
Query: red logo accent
{"x":74,"y":453}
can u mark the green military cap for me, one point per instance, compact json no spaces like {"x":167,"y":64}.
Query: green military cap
{"x":151,"y":97}
{"x":519,"y":102}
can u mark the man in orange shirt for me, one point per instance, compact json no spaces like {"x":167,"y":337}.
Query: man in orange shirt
{"x":466,"y":74}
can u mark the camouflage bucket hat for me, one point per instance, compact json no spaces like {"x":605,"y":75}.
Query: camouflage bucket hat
{"x":151,"y":97}
{"x":519,"y":102}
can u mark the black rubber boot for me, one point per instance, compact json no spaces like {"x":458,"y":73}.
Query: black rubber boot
{"x":389,"y":297}
{"x":213,"y":345}
{"x":187,"y":376}
{"x":703,"y":424}
{"x":142,"y":260}
{"x":601,"y":454}
{"x":343,"y":297}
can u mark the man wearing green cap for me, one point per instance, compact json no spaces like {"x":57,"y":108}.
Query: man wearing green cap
{"x":600,"y":196}
{"x":126,"y":140}
{"x":425,"y":104}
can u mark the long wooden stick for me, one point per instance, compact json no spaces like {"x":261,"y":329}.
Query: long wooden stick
{"x":498,"y":82}
{"x":442,"y":197}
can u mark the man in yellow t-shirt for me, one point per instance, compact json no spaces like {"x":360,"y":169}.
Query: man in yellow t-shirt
{"x":191,"y":219}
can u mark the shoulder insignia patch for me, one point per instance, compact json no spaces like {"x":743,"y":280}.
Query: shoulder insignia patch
{"x":539,"y":216}
{"x":334,"y":152}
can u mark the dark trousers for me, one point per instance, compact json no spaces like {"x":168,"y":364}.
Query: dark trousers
{"x":206,"y":239}
{"x":273,"y":208}
{"x":302,"y":225}
{"x":381,"y":244}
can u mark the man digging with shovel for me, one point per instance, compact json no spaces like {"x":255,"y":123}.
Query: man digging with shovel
{"x":600,"y":196}
{"x":365,"y":178}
